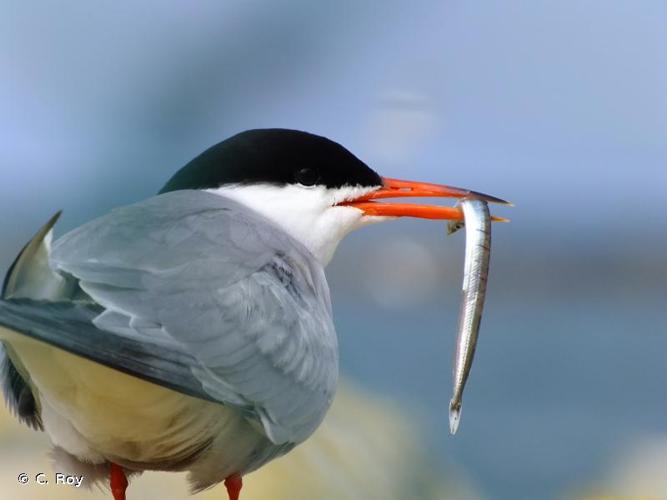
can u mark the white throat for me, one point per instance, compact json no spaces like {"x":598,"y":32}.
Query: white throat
{"x":308,"y":214}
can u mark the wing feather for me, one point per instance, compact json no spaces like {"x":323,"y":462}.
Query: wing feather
{"x":209,"y":278}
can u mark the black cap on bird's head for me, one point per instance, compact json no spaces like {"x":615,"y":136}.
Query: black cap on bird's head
{"x":282,"y":157}
{"x":276,"y":157}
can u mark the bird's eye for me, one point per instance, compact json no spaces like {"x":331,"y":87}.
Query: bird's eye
{"x":307,"y":176}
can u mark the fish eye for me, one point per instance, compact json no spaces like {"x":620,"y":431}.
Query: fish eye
{"x":307,"y":176}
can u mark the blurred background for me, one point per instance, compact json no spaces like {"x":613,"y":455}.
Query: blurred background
{"x":560,"y":107}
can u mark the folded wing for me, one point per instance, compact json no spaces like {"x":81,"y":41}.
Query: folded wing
{"x":195,"y":292}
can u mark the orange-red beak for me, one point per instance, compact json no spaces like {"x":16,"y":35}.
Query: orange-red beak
{"x":395,"y":188}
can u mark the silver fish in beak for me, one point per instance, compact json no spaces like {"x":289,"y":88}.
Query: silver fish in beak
{"x":473,"y":212}
{"x":476,"y":272}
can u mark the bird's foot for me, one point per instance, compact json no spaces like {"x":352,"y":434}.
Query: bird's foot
{"x":234,"y":483}
{"x":118,"y":482}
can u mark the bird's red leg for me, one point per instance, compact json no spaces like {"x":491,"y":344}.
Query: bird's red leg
{"x":234,"y":483}
{"x":118,"y":482}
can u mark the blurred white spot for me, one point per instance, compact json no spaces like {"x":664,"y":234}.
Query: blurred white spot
{"x":400,"y":124}
{"x":637,"y":471}
{"x":401,"y":274}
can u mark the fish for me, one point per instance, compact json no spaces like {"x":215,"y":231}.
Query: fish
{"x":475,"y":275}
{"x":453,"y":226}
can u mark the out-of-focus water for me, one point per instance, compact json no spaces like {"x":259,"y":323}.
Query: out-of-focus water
{"x":560,"y":386}
{"x":570,"y":367}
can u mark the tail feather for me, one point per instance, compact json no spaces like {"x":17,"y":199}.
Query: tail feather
{"x":18,"y":395}
{"x":28,"y":276}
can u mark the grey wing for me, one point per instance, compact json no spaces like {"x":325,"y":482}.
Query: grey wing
{"x":197,"y":274}
{"x":39,"y":303}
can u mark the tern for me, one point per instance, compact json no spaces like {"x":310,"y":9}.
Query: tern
{"x":193,"y":331}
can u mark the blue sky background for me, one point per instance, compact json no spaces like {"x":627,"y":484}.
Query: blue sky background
{"x":558,"y":106}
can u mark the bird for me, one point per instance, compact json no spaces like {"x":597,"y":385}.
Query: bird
{"x":193,"y":330}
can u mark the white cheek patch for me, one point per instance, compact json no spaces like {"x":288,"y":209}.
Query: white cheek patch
{"x":308,"y":214}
